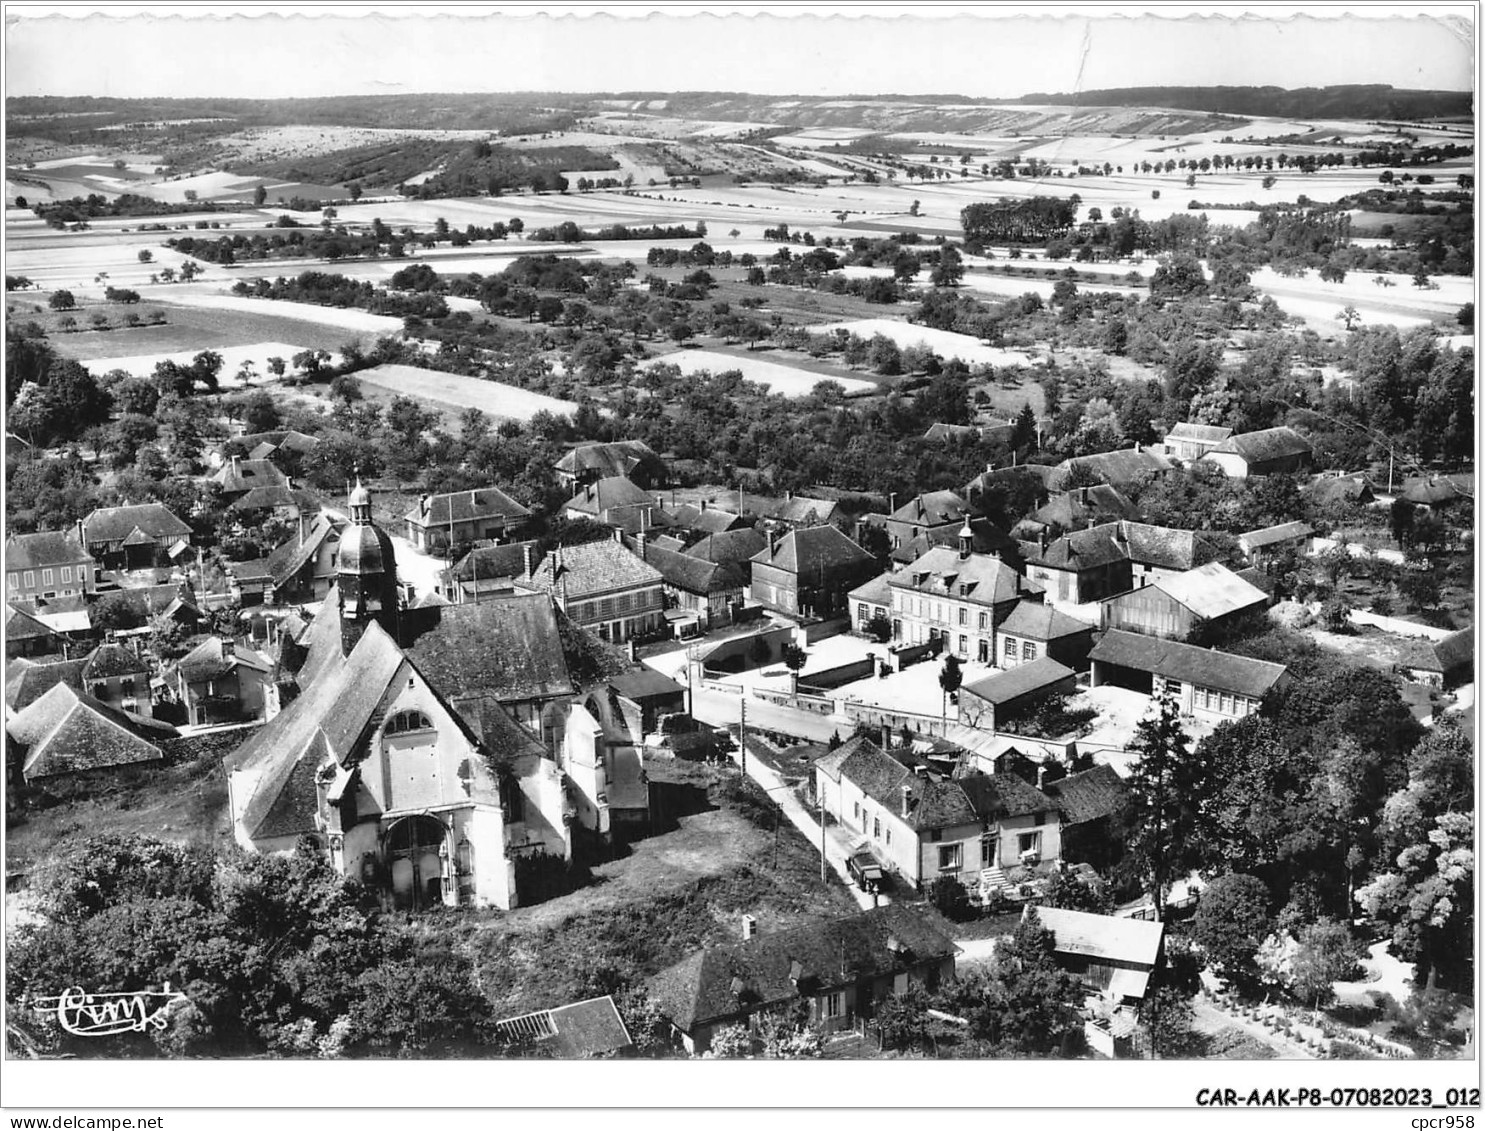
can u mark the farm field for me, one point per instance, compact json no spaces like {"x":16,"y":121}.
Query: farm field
{"x":233,"y":358}
{"x":946,"y":343}
{"x":451,"y":393}
{"x":333,"y":316}
{"x":787,"y":380}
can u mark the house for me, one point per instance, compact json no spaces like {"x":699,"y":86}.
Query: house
{"x":985,"y":538}
{"x":221,"y":681}
{"x":709,"y":592}
{"x":118,"y":677}
{"x":1192,"y":441}
{"x":302,"y":569}
{"x":140,"y":604}
{"x":734,"y":547}
{"x":603,"y":586}
{"x":281,"y":502}
{"x":1437,"y":492}
{"x":1012,"y":480}
{"x":1272,"y":542}
{"x":809,"y":572}
{"x":1441,"y":664}
{"x":995,"y":702}
{"x":840,"y":969}
{"x":869,"y":601}
{"x":633,"y":459}
{"x":704,"y":519}
{"x":238,"y":476}
{"x":1090,"y":802}
{"x":956,"y":596}
{"x":941,"y":433}
{"x":66,"y":733}
{"x":135,"y":537}
{"x":427,"y":795}
{"x":1201,"y":600}
{"x":487,"y":570}
{"x":1331,"y":490}
{"x":283,"y":446}
{"x":799,"y":512}
{"x":49,"y":563}
{"x":1101,"y":561}
{"x":249,"y":582}
{"x":605,"y":777}
{"x":1034,"y":630}
{"x":1077,"y":508}
{"x":928,"y":512}
{"x":1210,"y":685}
{"x":1123,"y":470}
{"x":27,"y":636}
{"x":923,"y":825}
{"x":583,"y":1029}
{"x":644,"y":697}
{"x":609,"y":500}
{"x":1113,"y":957}
{"x":28,"y":680}
{"x":439,"y":522}
{"x":1272,"y":451}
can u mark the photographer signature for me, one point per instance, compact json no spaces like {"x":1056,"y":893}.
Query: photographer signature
{"x":86,"y":1014}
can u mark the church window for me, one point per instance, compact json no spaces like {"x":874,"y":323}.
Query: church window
{"x":405,"y":722}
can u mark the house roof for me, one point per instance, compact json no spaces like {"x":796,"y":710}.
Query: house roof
{"x":237,"y":475}
{"x":1457,"y":650}
{"x":289,"y":558}
{"x":114,"y":524}
{"x":695,"y":575}
{"x":109,"y":661}
{"x":985,"y":538}
{"x":933,"y":801}
{"x":214,"y":658}
{"x":739,"y":546}
{"x":45,"y":548}
{"x":1202,"y":433}
{"x":609,"y":493}
{"x":1023,"y":679}
{"x":877,"y":591}
{"x":1104,"y":937}
{"x":645,"y":683}
{"x":932,"y":508}
{"x":1205,"y":667}
{"x":1270,"y":535}
{"x":707,"y":520}
{"x":466,"y":506}
{"x":592,"y":567}
{"x":979,"y":578}
{"x":1432,"y":492}
{"x":617,"y":458}
{"x":582,"y":1029}
{"x":148,"y":601}
{"x":1034,"y":620}
{"x":505,"y":560}
{"x":1333,"y":488}
{"x":260,"y":444}
{"x":1089,"y":795}
{"x":1120,"y":468}
{"x":28,"y":680}
{"x":951,"y":432}
{"x":803,"y":510}
{"x":67,"y":731}
{"x":271,"y":497}
{"x":21,"y":625}
{"x":1160,"y":546}
{"x":729,"y":980}
{"x":1211,"y":591}
{"x":814,"y":549}
{"x":507,"y":646}
{"x":1071,"y":509}
{"x":1264,"y":445}
{"x":1043,"y":473}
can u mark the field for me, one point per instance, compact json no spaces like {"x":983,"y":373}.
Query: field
{"x":945,"y":343}
{"x":788,"y":380}
{"x":450,"y":393}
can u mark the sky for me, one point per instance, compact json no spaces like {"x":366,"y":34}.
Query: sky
{"x":976,"y":50}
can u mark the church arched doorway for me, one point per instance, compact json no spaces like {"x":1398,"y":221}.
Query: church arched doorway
{"x":415,"y":861}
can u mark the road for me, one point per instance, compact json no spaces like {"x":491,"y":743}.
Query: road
{"x":720,"y":708}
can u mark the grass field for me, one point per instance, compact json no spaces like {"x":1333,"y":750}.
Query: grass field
{"x":451,"y":394}
{"x":780,"y":376}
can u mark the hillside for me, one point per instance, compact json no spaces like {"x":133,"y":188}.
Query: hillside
{"x":1375,"y":101}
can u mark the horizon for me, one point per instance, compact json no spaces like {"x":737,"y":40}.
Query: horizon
{"x":318,"y":53}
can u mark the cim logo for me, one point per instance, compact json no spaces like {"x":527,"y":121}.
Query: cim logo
{"x":105,"y":1015}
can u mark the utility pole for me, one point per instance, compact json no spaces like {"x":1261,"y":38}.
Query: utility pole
{"x":742,"y":732}
{"x":822,"y":835}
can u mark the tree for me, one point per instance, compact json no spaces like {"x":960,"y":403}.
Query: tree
{"x":1023,"y":434}
{"x":949,"y":679}
{"x":1349,"y":315}
{"x":759,"y":652}
{"x":260,"y":194}
{"x":1466,"y":318}
{"x":1231,"y":923}
{"x":794,"y":659}
{"x":146,"y":255}
{"x":1327,"y":953}
{"x":1166,"y":789}
{"x":62,"y":300}
{"x":1023,"y":1003}
{"x":879,"y":627}
{"x":902,"y":1020}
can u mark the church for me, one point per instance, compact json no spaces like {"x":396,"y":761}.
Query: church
{"x":411,"y":776}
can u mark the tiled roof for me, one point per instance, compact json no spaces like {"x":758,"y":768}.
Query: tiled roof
{"x":67,"y":731}
{"x":720,"y":982}
{"x":28,"y":680}
{"x":288,"y":559}
{"x":1432,"y":492}
{"x":1457,"y":650}
{"x":1203,"y":433}
{"x":695,"y":575}
{"x":1103,"y":937}
{"x":985,"y":538}
{"x":645,"y":683}
{"x":606,"y":494}
{"x":1033,"y":620}
{"x":1116,"y":468}
{"x":592,"y":567}
{"x":710,"y":520}
{"x":505,"y":560}
{"x":44,"y":549}
{"x":269,"y":498}
{"x":1072,"y":509}
{"x":1167,"y":547}
{"x":979,"y":578}
{"x":1333,"y":488}
{"x":932,"y":508}
{"x":618,"y":458}
{"x":1043,"y":473}
{"x":815,"y":549}
{"x":1211,"y":591}
{"x":951,"y":432}
{"x":1269,"y":535}
{"x":874,"y":592}
{"x":21,"y":625}
{"x":732,"y":546}
{"x":114,"y":524}
{"x":1089,"y":795}
{"x":801,"y":510}
{"x":1205,"y":667}
{"x":1023,"y":679}
{"x":108,"y":661}
{"x":933,"y":801}
{"x":281,"y":438}
{"x":507,"y":646}
{"x":465,"y":506}
{"x":238,"y":475}
{"x":1265,"y":445}
{"x":149,"y":601}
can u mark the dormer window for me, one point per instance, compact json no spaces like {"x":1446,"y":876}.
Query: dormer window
{"x":407,"y":722}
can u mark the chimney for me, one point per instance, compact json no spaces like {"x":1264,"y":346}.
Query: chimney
{"x":234,"y":467}
{"x":703,"y":506}
{"x":788,"y":496}
{"x":1041,"y":776}
{"x":423,"y":506}
{"x":81,"y":541}
{"x":229,"y":648}
{"x":642,"y":541}
{"x":1041,"y":539}
{"x":301,"y":527}
{"x":749,"y":927}
{"x":618,"y":536}
{"x":633,"y":652}
{"x":1136,"y":445}
{"x":892,"y":503}
{"x":966,"y":540}
{"x":907,"y":796}
{"x":526,"y":558}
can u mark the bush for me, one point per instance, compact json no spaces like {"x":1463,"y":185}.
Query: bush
{"x":949,"y":896}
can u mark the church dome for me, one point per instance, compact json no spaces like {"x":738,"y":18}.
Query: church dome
{"x":365,"y":550}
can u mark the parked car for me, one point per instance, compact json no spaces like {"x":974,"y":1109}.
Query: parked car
{"x":865,"y":870}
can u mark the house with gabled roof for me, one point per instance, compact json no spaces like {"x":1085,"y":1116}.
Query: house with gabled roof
{"x":1263,"y":546}
{"x":1090,"y":802}
{"x":633,"y":459}
{"x":1124,"y":469}
{"x":985,"y":538}
{"x":704,"y":519}
{"x":841,"y":970}
{"x":799,"y":512}
{"x":237,"y":476}
{"x":1442,"y":663}
{"x":732,"y":547}
{"x":1034,"y":630}
{"x":1076,"y":508}
{"x":118,"y":677}
{"x":1270,"y":451}
{"x":457,"y":517}
{"x":1112,"y":957}
{"x":27,"y":680}
{"x":1192,"y":441}
{"x":603,"y":586}
{"x":809,"y":572}
{"x":996,"y":701}
{"x":923,"y":825}
{"x":1202,"y":600}
{"x":281,"y":444}
{"x":1207,"y":684}
{"x":615,"y":501}
{"x":302,"y":569}
{"x":49,"y":563}
{"x":488,"y":570}
{"x":1101,"y":561}
{"x":222,"y":681}
{"x":27,"y":636}
{"x":710,"y":592}
{"x":135,"y":537}
{"x":925,"y":513}
{"x":66,"y":733}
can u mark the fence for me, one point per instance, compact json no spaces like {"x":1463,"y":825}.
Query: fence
{"x":827,"y":678}
{"x":816,"y":704}
{"x":882,"y":716}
